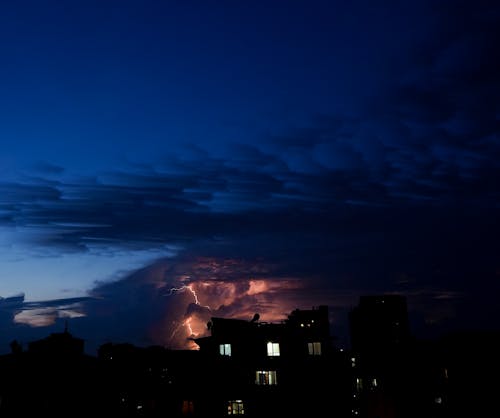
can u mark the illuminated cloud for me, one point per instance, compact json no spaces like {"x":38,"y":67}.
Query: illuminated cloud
{"x":45,"y":316}
{"x":171,"y":301}
{"x":27,"y":321}
{"x":228,"y":292}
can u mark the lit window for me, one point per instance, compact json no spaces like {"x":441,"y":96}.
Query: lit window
{"x":273,"y":349}
{"x":359,"y":384}
{"x":187,"y":407}
{"x":265,"y":377}
{"x":235,"y":408}
{"x":374,"y":382}
{"x":225,"y":349}
{"x":314,"y":349}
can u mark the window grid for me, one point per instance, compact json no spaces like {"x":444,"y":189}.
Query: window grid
{"x":225,"y":349}
{"x":266,"y":377}
{"x":235,"y":408}
{"x":273,"y":349}
{"x":314,"y":348}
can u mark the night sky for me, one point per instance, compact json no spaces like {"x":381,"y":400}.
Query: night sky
{"x":162,"y":162}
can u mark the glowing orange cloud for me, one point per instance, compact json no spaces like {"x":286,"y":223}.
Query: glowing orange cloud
{"x":42,"y":317}
{"x":222,"y":290}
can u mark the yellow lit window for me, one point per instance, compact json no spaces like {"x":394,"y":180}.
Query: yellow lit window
{"x":314,"y":349}
{"x":235,"y":408}
{"x":273,"y":349}
{"x":359,"y":384}
{"x":265,"y":377}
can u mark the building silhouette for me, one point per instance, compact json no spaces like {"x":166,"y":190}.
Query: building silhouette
{"x":394,"y":374}
{"x":380,"y":337}
{"x":259,"y":369}
{"x":269,"y":369}
{"x":379,"y":324}
{"x":53,"y":377}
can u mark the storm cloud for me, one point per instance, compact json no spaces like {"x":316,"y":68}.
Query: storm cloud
{"x":398,"y":194}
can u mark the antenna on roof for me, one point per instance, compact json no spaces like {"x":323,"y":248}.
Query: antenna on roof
{"x":255,"y":318}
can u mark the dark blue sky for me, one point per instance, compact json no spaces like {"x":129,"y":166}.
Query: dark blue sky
{"x":162,"y":162}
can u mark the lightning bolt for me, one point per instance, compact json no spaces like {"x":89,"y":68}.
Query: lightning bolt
{"x":187,"y":322}
{"x":182,"y":288}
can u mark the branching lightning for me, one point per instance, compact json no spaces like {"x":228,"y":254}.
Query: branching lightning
{"x":182,"y":288}
{"x":187,"y":322}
